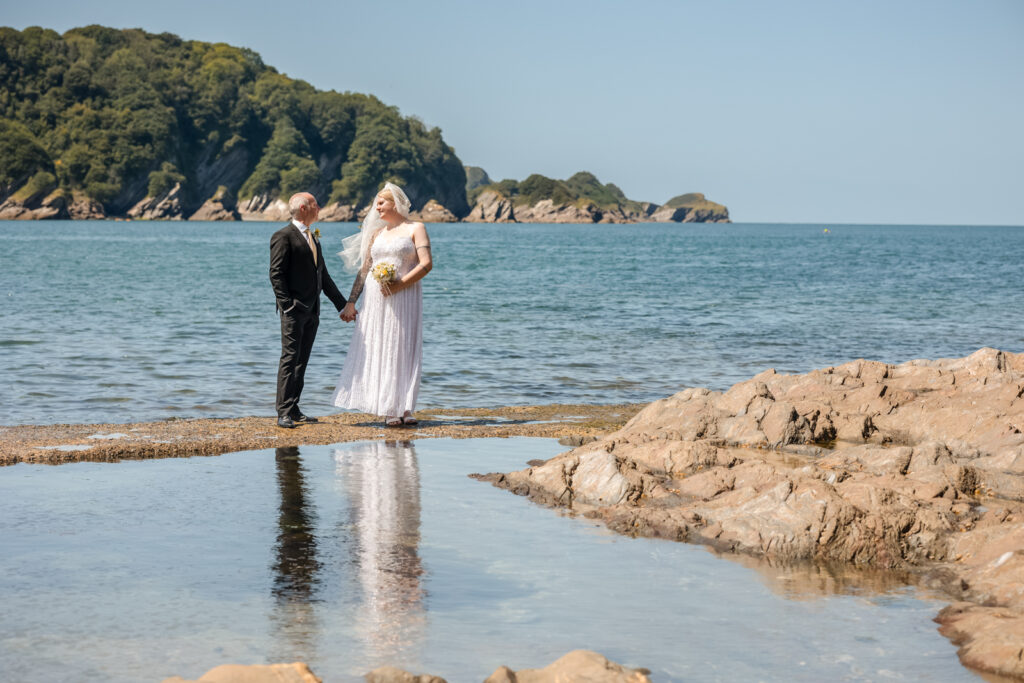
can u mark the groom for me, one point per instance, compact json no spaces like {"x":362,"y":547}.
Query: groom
{"x":298,"y":274}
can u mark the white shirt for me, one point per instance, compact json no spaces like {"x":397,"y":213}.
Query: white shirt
{"x":304,"y":229}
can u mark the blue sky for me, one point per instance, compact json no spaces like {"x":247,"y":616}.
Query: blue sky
{"x":904,"y":111}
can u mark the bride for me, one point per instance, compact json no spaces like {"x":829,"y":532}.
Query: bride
{"x":382,"y":370}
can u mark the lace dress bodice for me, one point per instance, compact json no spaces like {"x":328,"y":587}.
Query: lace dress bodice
{"x":396,"y":247}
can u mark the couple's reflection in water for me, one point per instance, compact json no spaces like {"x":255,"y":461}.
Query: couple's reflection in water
{"x":366,"y":567}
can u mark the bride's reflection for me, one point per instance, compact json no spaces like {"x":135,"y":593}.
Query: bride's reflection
{"x":382,"y":482}
{"x":296,"y":568}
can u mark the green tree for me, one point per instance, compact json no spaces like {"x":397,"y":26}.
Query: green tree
{"x":21,"y":156}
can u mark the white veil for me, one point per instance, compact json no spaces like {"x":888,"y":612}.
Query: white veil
{"x":355,"y":248}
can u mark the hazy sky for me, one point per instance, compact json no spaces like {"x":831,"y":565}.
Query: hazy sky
{"x":902,"y":111}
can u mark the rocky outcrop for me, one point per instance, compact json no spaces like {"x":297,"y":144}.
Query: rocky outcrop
{"x":51,"y":204}
{"x":690,"y":208}
{"x":491,"y":207}
{"x":338,"y":213}
{"x":917,"y":466}
{"x":683,"y":214}
{"x":639,"y":214}
{"x":84,"y":208}
{"x":219,"y":207}
{"x":263,"y":207}
{"x":166,"y":207}
{"x":578,"y":665}
{"x":433,"y":212}
{"x":547,"y":211}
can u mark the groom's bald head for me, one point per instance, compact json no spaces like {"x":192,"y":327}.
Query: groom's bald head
{"x":303,"y":207}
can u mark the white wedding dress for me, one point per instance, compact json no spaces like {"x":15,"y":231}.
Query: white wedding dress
{"x":382,"y":370}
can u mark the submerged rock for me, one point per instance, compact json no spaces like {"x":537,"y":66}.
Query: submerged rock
{"x":296,"y":672}
{"x":391,"y":674}
{"x":578,"y":665}
{"x":919,"y":465}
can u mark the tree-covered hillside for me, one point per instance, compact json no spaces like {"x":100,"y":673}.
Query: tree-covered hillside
{"x":119,"y":115}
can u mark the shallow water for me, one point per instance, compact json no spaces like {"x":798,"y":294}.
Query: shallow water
{"x":356,"y":555}
{"x":122,"y":322}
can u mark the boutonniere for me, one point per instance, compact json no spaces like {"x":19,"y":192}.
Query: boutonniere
{"x":316,"y":233}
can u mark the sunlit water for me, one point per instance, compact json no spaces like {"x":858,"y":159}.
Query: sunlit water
{"x":356,"y":555}
{"x":108,"y":321}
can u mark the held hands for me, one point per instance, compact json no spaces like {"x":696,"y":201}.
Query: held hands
{"x":349,"y":313}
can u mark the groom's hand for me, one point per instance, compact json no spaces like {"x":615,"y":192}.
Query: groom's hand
{"x":348,"y":314}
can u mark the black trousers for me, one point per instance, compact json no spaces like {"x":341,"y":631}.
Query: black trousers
{"x":298,"y":330}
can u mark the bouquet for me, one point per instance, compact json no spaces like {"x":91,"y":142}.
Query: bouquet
{"x":384,"y":273}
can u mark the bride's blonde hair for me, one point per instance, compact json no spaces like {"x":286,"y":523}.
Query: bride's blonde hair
{"x":355,"y":248}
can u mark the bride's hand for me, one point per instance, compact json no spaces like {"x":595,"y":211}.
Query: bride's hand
{"x":391,"y":288}
{"x":348,"y":314}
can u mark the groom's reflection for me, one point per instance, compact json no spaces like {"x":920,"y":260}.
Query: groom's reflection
{"x":382,"y":480}
{"x":295,"y":565}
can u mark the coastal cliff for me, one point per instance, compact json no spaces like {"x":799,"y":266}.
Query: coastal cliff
{"x":100,"y":122}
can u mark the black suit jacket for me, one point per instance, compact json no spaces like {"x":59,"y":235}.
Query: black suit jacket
{"x":296,"y":279}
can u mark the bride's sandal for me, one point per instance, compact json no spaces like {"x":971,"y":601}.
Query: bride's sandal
{"x":393,"y":422}
{"x":409,"y":420}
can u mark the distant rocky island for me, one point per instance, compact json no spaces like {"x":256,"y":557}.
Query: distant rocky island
{"x":579,"y":199}
{"x":108,"y":123}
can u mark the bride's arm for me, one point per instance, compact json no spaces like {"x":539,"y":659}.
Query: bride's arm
{"x":348,"y":314}
{"x":426,"y":261}
{"x":357,"y":286}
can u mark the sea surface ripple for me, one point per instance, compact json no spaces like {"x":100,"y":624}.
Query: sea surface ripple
{"x":107,"y":321}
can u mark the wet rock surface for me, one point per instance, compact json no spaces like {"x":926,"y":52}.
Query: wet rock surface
{"x":918,"y":466}
{"x":55,"y":444}
{"x":578,"y":665}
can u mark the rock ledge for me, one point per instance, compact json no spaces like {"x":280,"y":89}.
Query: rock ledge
{"x":918,"y":466}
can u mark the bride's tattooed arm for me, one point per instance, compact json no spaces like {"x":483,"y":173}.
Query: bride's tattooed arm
{"x":357,"y":286}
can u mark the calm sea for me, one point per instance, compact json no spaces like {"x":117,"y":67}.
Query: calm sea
{"x":114,"y":321}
